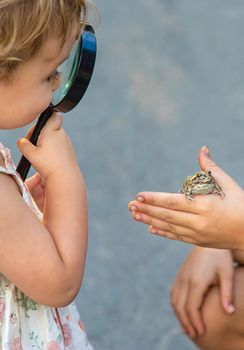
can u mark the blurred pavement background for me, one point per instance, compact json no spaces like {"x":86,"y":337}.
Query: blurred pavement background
{"x":169,"y":78}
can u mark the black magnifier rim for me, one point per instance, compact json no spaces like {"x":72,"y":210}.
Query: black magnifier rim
{"x":83,"y":72}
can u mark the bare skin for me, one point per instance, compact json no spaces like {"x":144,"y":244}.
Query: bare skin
{"x":208,"y":292}
{"x":208,"y":220}
{"x":53,"y":251}
{"x":223,"y":331}
{"x":207,"y":297}
{"x":202,"y":269}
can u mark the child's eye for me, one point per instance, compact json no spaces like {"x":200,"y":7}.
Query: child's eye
{"x":55,"y":76}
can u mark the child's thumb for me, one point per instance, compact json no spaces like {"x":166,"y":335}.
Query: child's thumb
{"x":204,"y":159}
{"x":26,"y":148}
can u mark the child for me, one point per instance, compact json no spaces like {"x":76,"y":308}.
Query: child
{"x":42,"y":255}
{"x":207,"y":294}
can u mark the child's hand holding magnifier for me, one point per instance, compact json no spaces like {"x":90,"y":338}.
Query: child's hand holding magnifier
{"x":36,"y":183}
{"x":207,"y":220}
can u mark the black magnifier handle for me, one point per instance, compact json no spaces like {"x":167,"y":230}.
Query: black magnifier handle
{"x":24,"y":165}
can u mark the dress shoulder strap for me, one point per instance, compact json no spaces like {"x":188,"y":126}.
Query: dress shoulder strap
{"x":10,"y":169}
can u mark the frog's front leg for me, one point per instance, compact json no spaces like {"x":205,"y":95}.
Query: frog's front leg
{"x":189,"y":195}
{"x":219,"y":191}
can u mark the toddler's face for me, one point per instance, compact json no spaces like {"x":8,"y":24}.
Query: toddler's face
{"x":30,"y":93}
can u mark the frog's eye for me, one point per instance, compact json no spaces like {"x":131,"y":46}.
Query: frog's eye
{"x":209,"y":172}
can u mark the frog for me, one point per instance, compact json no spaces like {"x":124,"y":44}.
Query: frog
{"x":200,"y":183}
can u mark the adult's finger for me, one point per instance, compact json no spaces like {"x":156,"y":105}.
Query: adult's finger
{"x":172,"y":228}
{"x":227,"y":289}
{"x":195,"y":299}
{"x":170,"y":216}
{"x":172,"y":201}
{"x":178,"y":300}
{"x":171,"y":236}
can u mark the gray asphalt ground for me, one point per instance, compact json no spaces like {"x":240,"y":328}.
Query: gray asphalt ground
{"x":169,"y":78}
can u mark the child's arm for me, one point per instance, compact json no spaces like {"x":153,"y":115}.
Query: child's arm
{"x":46,"y":261}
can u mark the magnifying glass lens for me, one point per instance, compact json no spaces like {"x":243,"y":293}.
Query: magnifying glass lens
{"x":68,"y":70}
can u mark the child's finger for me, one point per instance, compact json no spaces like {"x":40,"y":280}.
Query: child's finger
{"x":54,"y":122}
{"x":29,"y":132}
{"x":33,"y":181}
{"x":27,"y":149}
{"x":173,"y":201}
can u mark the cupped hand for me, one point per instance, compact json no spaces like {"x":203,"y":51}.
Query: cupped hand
{"x":207,"y":220}
{"x":202,"y":269}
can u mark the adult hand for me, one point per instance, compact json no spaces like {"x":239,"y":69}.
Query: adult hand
{"x":207,"y":220}
{"x":203,"y":268}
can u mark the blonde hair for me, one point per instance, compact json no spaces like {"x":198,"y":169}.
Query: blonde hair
{"x":25,"y":25}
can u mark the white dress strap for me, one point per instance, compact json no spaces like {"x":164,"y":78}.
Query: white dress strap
{"x":10,"y":169}
{"x":3,"y":170}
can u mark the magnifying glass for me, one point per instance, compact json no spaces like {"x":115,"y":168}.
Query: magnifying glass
{"x":76,"y":73}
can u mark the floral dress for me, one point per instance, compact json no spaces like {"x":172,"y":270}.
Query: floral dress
{"x":25,"y":324}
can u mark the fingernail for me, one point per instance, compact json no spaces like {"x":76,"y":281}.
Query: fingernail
{"x":200,"y":333}
{"x":231,"y":309}
{"x":133,"y":208}
{"x":206,"y":152}
{"x":153,"y":230}
{"x":138,"y":217}
{"x":140,"y":199}
{"x":21,"y":140}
